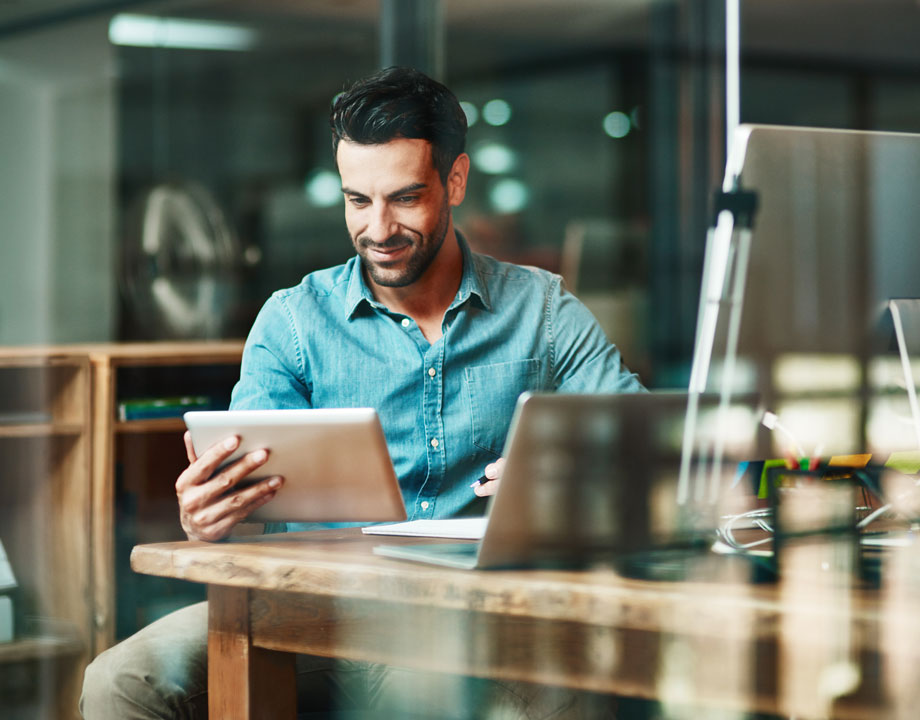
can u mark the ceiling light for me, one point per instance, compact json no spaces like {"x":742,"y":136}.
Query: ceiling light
{"x":165,"y":32}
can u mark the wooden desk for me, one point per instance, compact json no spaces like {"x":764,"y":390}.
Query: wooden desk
{"x":784,"y":648}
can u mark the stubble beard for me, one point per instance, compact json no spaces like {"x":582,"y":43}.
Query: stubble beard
{"x":425,"y":253}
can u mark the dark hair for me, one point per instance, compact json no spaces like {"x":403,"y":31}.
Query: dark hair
{"x":400,"y":102}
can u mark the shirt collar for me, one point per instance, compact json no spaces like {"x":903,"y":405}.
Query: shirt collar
{"x":472,"y":284}
{"x":357,"y":293}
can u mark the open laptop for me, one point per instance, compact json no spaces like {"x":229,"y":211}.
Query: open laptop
{"x":588,"y":479}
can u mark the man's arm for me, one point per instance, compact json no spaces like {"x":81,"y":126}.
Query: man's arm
{"x":272,"y":374}
{"x":584,"y":360}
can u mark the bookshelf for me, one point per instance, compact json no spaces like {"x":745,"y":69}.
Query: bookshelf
{"x":81,"y":487}
{"x":45,"y":505}
{"x":135,"y":465}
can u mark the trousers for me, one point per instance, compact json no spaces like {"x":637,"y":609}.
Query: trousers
{"x":161,"y":672}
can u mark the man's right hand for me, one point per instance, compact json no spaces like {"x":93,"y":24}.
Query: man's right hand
{"x":210,"y":505}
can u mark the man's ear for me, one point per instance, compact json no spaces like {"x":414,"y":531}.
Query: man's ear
{"x":456,"y":179}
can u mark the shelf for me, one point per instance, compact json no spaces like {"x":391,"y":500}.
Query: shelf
{"x":41,"y":430}
{"x":40,"y":648}
{"x":152,"y":425}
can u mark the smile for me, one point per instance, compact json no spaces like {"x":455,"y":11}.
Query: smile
{"x":386,"y":254}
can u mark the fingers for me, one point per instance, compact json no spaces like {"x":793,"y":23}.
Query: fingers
{"x":486,"y":489}
{"x":493,"y":471}
{"x":202,"y":468}
{"x":214,"y":520}
{"x":210,"y":504}
{"x":189,"y":448}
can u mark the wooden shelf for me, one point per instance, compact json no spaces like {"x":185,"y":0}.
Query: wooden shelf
{"x":40,"y":648}
{"x":152,"y":425}
{"x":40,"y":430}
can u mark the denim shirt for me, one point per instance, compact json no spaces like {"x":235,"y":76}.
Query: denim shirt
{"x":445,"y":407}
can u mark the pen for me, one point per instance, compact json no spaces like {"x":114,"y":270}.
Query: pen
{"x":481,"y":481}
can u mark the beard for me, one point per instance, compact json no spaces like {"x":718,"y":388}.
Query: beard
{"x":423,"y":250}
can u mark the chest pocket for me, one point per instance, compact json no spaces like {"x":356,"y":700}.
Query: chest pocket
{"x":493,"y":391}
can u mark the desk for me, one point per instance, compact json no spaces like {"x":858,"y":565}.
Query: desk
{"x":733,"y":645}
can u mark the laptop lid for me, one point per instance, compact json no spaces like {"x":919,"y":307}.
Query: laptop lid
{"x":592,"y":478}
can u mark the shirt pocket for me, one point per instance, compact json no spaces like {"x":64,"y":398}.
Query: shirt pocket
{"x":493,"y":391}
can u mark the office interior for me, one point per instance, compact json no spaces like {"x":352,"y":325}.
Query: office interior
{"x":164,"y":166}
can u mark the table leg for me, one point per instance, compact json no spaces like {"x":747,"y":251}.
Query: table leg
{"x":245,"y":682}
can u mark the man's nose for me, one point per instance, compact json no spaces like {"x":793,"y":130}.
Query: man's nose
{"x":381,"y":224}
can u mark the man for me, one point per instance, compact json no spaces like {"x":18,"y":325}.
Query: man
{"x":440,"y":341}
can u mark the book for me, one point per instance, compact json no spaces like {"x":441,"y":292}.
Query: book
{"x":163,"y":407}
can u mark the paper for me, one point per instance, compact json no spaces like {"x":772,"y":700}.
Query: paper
{"x":472,"y":528}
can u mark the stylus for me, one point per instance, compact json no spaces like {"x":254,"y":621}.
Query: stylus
{"x":481,"y":481}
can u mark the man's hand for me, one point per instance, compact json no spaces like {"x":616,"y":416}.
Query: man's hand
{"x":493,"y":472}
{"x":210,"y":507}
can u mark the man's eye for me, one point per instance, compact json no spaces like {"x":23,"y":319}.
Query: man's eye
{"x":358,"y":201}
{"x":406,"y":199}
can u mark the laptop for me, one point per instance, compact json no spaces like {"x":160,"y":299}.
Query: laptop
{"x":589,"y":479}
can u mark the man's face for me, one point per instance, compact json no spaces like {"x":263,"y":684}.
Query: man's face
{"x":397,"y":210}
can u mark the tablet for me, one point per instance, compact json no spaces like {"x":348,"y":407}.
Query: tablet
{"x":335,"y":462}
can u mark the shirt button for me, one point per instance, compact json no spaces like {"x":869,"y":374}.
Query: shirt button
{"x":431,"y":372}
{"x":405,"y":322}
{"x":424,"y":504}
{"x":434,"y":442}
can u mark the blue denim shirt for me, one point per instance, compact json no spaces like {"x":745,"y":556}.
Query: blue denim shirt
{"x":445,"y":407}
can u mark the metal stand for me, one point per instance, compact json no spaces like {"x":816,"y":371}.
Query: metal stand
{"x":724,"y":274}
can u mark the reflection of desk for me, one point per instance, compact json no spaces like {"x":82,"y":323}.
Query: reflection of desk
{"x":699,"y":643}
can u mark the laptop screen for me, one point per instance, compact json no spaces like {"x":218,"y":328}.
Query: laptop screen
{"x":594,"y":476}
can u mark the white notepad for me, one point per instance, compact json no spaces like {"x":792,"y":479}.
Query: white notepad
{"x":467,"y":528}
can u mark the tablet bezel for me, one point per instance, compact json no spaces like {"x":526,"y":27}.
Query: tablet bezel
{"x":334,"y":460}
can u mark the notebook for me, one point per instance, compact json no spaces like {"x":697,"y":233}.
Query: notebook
{"x":588,"y":479}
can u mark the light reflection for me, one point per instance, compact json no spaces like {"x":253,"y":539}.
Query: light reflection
{"x":826,"y":425}
{"x":496,"y":112}
{"x":323,"y":189}
{"x":493,"y":158}
{"x":890,"y":426}
{"x":509,"y":196}
{"x":617,"y":124}
{"x":165,"y":32}
{"x":809,"y":373}
{"x":471,"y":112}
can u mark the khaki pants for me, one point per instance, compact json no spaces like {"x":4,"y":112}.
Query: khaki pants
{"x":161,"y":672}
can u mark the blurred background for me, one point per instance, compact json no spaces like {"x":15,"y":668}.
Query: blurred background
{"x":166,"y":165}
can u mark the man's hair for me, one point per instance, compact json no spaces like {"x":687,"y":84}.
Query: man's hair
{"x":400,"y":102}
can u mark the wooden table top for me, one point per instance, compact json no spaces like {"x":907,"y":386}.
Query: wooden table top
{"x":341,"y":563}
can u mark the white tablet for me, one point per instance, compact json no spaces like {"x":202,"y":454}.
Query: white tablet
{"x":335,"y":462}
